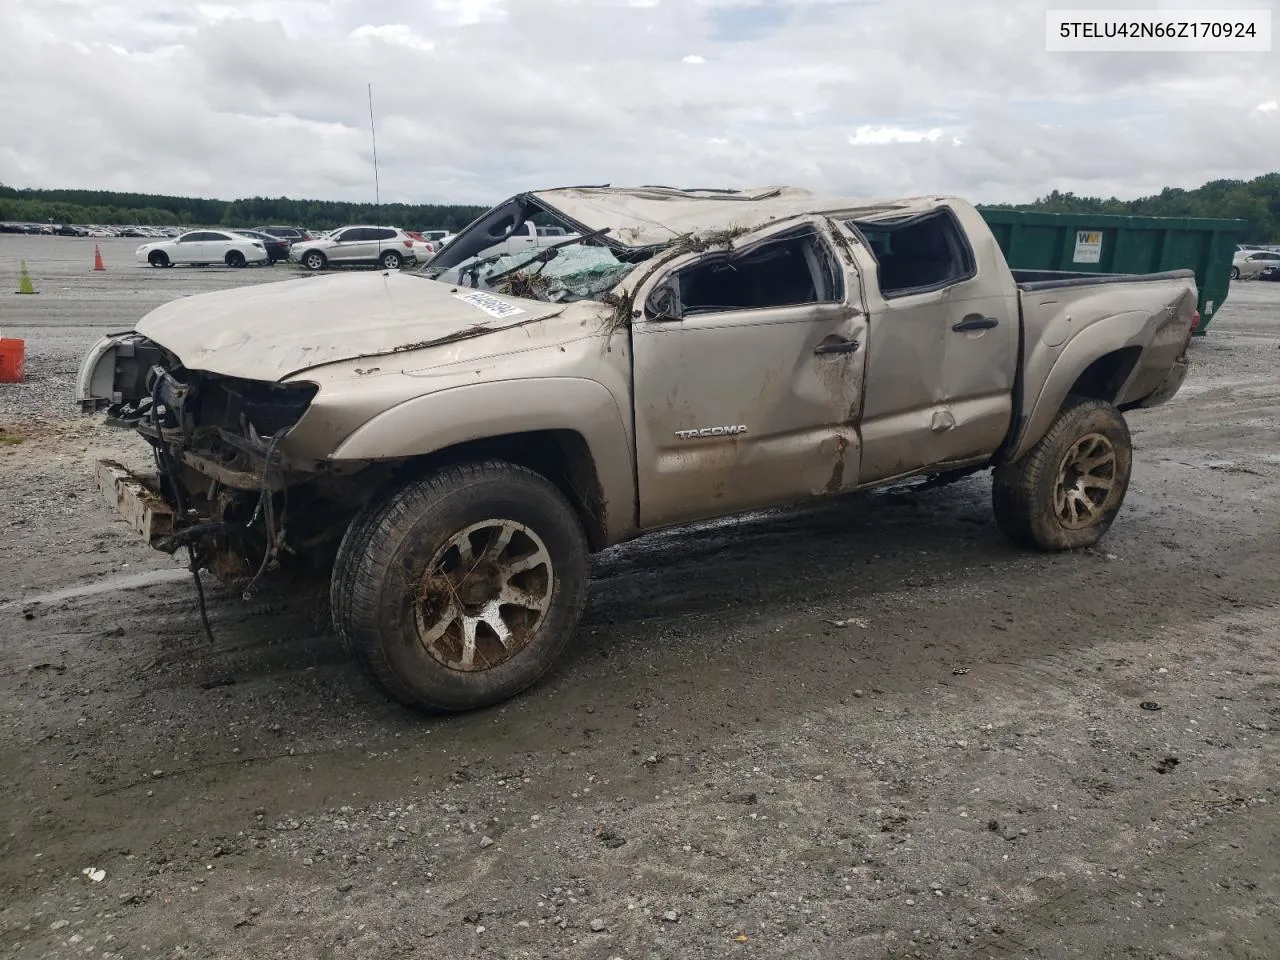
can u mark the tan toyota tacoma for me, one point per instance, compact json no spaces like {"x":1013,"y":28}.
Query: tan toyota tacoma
{"x":451,"y":444}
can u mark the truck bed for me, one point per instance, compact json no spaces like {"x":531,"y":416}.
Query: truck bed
{"x":1032,"y":280}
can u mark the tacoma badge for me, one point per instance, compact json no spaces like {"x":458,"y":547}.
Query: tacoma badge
{"x":711,"y":432}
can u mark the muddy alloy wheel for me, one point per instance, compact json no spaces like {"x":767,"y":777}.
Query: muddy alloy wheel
{"x":1086,"y":482}
{"x":461,"y":589}
{"x":484,"y":594}
{"x":1065,"y":493}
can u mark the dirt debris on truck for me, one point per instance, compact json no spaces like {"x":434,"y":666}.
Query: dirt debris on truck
{"x":450,"y":446}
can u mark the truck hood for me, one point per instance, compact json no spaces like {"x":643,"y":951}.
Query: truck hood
{"x":273,"y":330}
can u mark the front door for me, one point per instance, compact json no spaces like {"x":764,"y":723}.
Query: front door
{"x":350,"y":244}
{"x":943,"y":346}
{"x":748,"y":377}
{"x":189,"y":248}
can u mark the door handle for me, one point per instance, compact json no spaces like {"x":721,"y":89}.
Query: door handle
{"x":837,"y":346}
{"x":975,"y":321}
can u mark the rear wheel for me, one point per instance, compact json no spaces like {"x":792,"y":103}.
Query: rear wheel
{"x":462,"y":589}
{"x":314,"y":260}
{"x":158,"y":258}
{"x":390,"y":260}
{"x":1065,"y":493}
{"x":235,"y":258}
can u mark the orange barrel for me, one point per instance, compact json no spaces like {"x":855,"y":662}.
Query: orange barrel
{"x":13,"y":353}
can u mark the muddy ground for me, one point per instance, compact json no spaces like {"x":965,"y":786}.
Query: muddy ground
{"x":963,"y":769}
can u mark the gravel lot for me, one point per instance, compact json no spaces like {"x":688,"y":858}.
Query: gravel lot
{"x":867,"y":729}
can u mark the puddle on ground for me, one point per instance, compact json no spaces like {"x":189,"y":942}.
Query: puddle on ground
{"x":128,"y":581}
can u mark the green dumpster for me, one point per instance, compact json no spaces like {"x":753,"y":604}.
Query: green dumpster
{"x":1081,"y":243}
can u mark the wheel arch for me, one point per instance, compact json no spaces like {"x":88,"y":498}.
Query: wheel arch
{"x":1097,"y":363}
{"x":561,"y":456}
{"x":570,"y":430}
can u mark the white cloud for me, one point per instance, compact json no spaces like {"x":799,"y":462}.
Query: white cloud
{"x":394,"y":33}
{"x":479,"y":98}
{"x":867,"y":135}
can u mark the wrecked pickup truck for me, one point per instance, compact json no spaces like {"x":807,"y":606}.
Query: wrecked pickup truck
{"x":450,"y":445}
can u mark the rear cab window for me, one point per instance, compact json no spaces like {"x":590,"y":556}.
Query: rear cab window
{"x":918,"y":254}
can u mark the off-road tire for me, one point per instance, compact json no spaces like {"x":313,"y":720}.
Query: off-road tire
{"x":390,"y":545}
{"x":390,"y":260}
{"x":314,"y":260}
{"x":158,"y":258}
{"x":235,"y":258}
{"x":1022,"y":492}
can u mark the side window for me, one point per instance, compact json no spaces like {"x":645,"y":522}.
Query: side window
{"x":215,"y":236}
{"x":920,"y":254}
{"x":784,"y":272}
{"x":346,"y":236}
{"x":383,"y":234}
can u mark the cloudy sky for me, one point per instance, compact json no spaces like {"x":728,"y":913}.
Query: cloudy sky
{"x":477,"y":99}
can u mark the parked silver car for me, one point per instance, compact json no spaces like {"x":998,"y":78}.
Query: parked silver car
{"x":387,"y":247}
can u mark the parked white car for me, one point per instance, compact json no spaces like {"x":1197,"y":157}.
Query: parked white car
{"x":529,"y":236}
{"x":438,"y":237}
{"x":203,"y":247}
{"x":1251,"y":264}
{"x":387,"y":247}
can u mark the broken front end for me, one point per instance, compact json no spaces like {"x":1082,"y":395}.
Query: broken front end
{"x":224,"y":486}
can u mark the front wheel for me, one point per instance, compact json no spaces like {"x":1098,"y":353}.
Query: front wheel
{"x":460,"y":590}
{"x":314,"y":260}
{"x":158,"y":258}
{"x":1235,"y":273}
{"x":1065,"y":493}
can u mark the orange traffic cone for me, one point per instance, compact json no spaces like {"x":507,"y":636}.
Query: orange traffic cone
{"x":97,"y":259}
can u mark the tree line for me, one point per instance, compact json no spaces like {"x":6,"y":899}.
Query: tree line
{"x":109,"y":207}
{"x":1257,"y":201}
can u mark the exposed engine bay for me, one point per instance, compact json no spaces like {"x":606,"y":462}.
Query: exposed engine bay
{"x":241,"y":506}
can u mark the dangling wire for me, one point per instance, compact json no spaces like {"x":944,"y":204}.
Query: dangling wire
{"x":164,"y":464}
{"x":266,"y":505}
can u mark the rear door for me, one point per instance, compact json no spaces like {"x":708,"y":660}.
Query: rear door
{"x":943,"y":344}
{"x":748,"y":376}
{"x":217,"y":245}
{"x":385,"y":238}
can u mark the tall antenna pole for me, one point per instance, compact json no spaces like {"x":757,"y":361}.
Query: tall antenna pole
{"x":373,"y":132}
{"x":377,"y":188}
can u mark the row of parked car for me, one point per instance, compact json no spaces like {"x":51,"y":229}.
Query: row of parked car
{"x":357,"y":245}
{"x":85,"y":230}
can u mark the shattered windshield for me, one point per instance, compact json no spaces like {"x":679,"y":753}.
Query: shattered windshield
{"x":556,"y":274}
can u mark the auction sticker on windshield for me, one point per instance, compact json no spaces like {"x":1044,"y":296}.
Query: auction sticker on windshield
{"x":490,"y":304}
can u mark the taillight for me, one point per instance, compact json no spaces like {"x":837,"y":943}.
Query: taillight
{"x":409,"y":244}
{"x":1195,"y":324}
